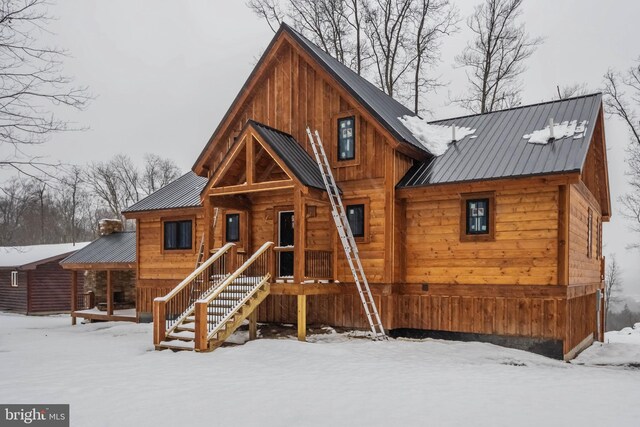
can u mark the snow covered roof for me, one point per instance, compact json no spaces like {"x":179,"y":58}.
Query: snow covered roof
{"x":31,"y":256}
{"x":507,"y":143}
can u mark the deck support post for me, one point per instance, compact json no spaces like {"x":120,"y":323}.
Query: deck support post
{"x":302,"y":317}
{"x":74,"y":295}
{"x":253,"y":324}
{"x":299,"y":237}
{"x":233,"y":259}
{"x":200,"y":327}
{"x":109,"y":294}
{"x":159,"y":321}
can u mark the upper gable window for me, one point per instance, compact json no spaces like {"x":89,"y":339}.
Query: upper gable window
{"x":346,"y":138}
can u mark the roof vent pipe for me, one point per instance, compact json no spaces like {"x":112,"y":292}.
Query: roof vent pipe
{"x":551,"y":136}
{"x":453,"y":133}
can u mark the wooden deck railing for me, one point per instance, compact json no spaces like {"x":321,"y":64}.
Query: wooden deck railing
{"x":318,"y":264}
{"x":169,"y":310}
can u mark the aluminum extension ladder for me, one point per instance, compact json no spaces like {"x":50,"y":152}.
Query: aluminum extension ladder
{"x":346,"y":236}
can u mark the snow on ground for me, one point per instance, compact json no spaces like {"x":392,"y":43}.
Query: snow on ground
{"x":111,"y":376}
{"x":562,"y":130}
{"x":436,"y":138}
{"x":621,"y":348}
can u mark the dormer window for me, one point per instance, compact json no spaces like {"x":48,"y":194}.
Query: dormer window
{"x":346,"y":138}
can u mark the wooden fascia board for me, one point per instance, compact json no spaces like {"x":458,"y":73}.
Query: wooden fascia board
{"x":230,"y":158}
{"x":245,"y":93}
{"x":480,"y":185}
{"x":606,"y":168}
{"x":112,"y":266}
{"x":162,"y":212}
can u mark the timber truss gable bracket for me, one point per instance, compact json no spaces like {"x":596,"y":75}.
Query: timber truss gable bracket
{"x":251,"y":165}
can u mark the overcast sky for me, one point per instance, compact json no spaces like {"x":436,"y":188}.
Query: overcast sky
{"x":165,"y":72}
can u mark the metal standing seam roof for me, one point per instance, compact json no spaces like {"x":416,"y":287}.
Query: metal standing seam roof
{"x":291,"y":152}
{"x":382,"y":106}
{"x":184,"y":192}
{"x":119,"y":247}
{"x":498,"y":150}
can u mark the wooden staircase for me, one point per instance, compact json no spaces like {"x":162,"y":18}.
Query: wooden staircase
{"x":228,"y":301}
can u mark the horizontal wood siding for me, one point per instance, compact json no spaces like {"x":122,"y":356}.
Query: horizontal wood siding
{"x":524,"y":251}
{"x":13,"y":299}
{"x":51,"y":288}
{"x":159,"y":265}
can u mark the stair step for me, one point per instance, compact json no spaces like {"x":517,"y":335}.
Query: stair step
{"x":177,"y":345}
{"x":182,"y":335}
{"x":189,"y":327}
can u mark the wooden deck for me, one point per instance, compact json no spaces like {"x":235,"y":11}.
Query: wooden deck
{"x":128,"y":315}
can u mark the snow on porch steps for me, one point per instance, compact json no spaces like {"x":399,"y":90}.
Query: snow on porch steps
{"x":177,"y":345}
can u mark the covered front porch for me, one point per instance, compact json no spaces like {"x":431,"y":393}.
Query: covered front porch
{"x":268,"y":188}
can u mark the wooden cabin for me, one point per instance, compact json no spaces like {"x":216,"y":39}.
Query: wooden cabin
{"x":32,"y":281}
{"x":498,"y":239}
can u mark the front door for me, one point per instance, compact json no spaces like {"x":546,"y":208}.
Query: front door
{"x":285,"y":239}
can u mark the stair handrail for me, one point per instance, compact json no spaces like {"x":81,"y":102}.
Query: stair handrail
{"x":229,"y":280}
{"x":196,"y":272}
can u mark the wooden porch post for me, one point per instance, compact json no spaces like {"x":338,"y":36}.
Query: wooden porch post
{"x":253,"y":324}
{"x":299,"y":215}
{"x":302,"y":317}
{"x":74,"y":295}
{"x":159,"y":321}
{"x":109,"y":294}
{"x":200,"y":327}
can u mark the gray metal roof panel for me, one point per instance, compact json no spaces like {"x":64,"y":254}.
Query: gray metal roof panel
{"x":292,"y":153}
{"x":382,"y":106}
{"x":498,"y":149}
{"x":184,"y":192}
{"x":113,"y":248}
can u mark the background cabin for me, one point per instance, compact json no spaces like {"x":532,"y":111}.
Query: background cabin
{"x":32,"y":281}
{"x":499,"y":238}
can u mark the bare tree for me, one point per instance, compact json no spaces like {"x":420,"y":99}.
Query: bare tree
{"x":119,"y":183}
{"x":386,"y":28}
{"x":612,"y":286}
{"x":622,"y":99}
{"x":15,"y":200}
{"x":71,"y":199}
{"x":269,"y":10}
{"x":158,"y":172}
{"x":631,"y":200}
{"x":32,"y":84}
{"x":495,"y":59}
{"x":571,"y":90}
{"x":619,"y":103}
{"x":431,"y":20}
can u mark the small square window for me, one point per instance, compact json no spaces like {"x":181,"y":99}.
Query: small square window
{"x":14,"y":279}
{"x":346,"y":138}
{"x":177,"y":235}
{"x":478,"y":216}
{"x":355,"y":215}
{"x":232,"y":233}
